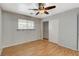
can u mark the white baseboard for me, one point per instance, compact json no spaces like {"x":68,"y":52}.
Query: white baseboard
{"x":62,"y":45}
{"x":17,"y":43}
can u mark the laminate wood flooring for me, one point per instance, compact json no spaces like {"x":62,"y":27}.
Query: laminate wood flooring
{"x":38,"y":48}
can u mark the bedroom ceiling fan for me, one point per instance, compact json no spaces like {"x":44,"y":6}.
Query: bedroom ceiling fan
{"x":42,"y":9}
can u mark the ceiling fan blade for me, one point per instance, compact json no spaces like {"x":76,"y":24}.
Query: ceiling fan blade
{"x":34,"y":9}
{"x":46,"y":12}
{"x":50,"y":7}
{"x":37,"y":13}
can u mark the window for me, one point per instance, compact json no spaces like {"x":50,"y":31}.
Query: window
{"x":25,"y":24}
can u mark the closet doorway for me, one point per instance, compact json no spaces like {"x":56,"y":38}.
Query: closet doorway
{"x":45,"y":30}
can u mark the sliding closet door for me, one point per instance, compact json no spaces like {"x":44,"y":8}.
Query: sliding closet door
{"x":63,"y":30}
{"x":53,"y":30}
{"x":78,"y":32}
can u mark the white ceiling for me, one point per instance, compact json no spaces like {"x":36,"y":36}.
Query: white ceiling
{"x":23,"y":8}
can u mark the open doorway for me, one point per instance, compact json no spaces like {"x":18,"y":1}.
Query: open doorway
{"x":45,"y":30}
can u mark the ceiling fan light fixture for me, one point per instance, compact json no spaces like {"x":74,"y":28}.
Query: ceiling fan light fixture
{"x":41,"y":11}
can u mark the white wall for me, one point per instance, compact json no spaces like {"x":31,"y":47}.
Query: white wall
{"x":0,"y":31}
{"x":63,"y":28}
{"x":13,"y":36}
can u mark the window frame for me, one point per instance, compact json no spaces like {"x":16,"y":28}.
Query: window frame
{"x":28,"y":22}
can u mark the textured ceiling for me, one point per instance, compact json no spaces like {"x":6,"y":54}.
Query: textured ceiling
{"x":23,"y":8}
